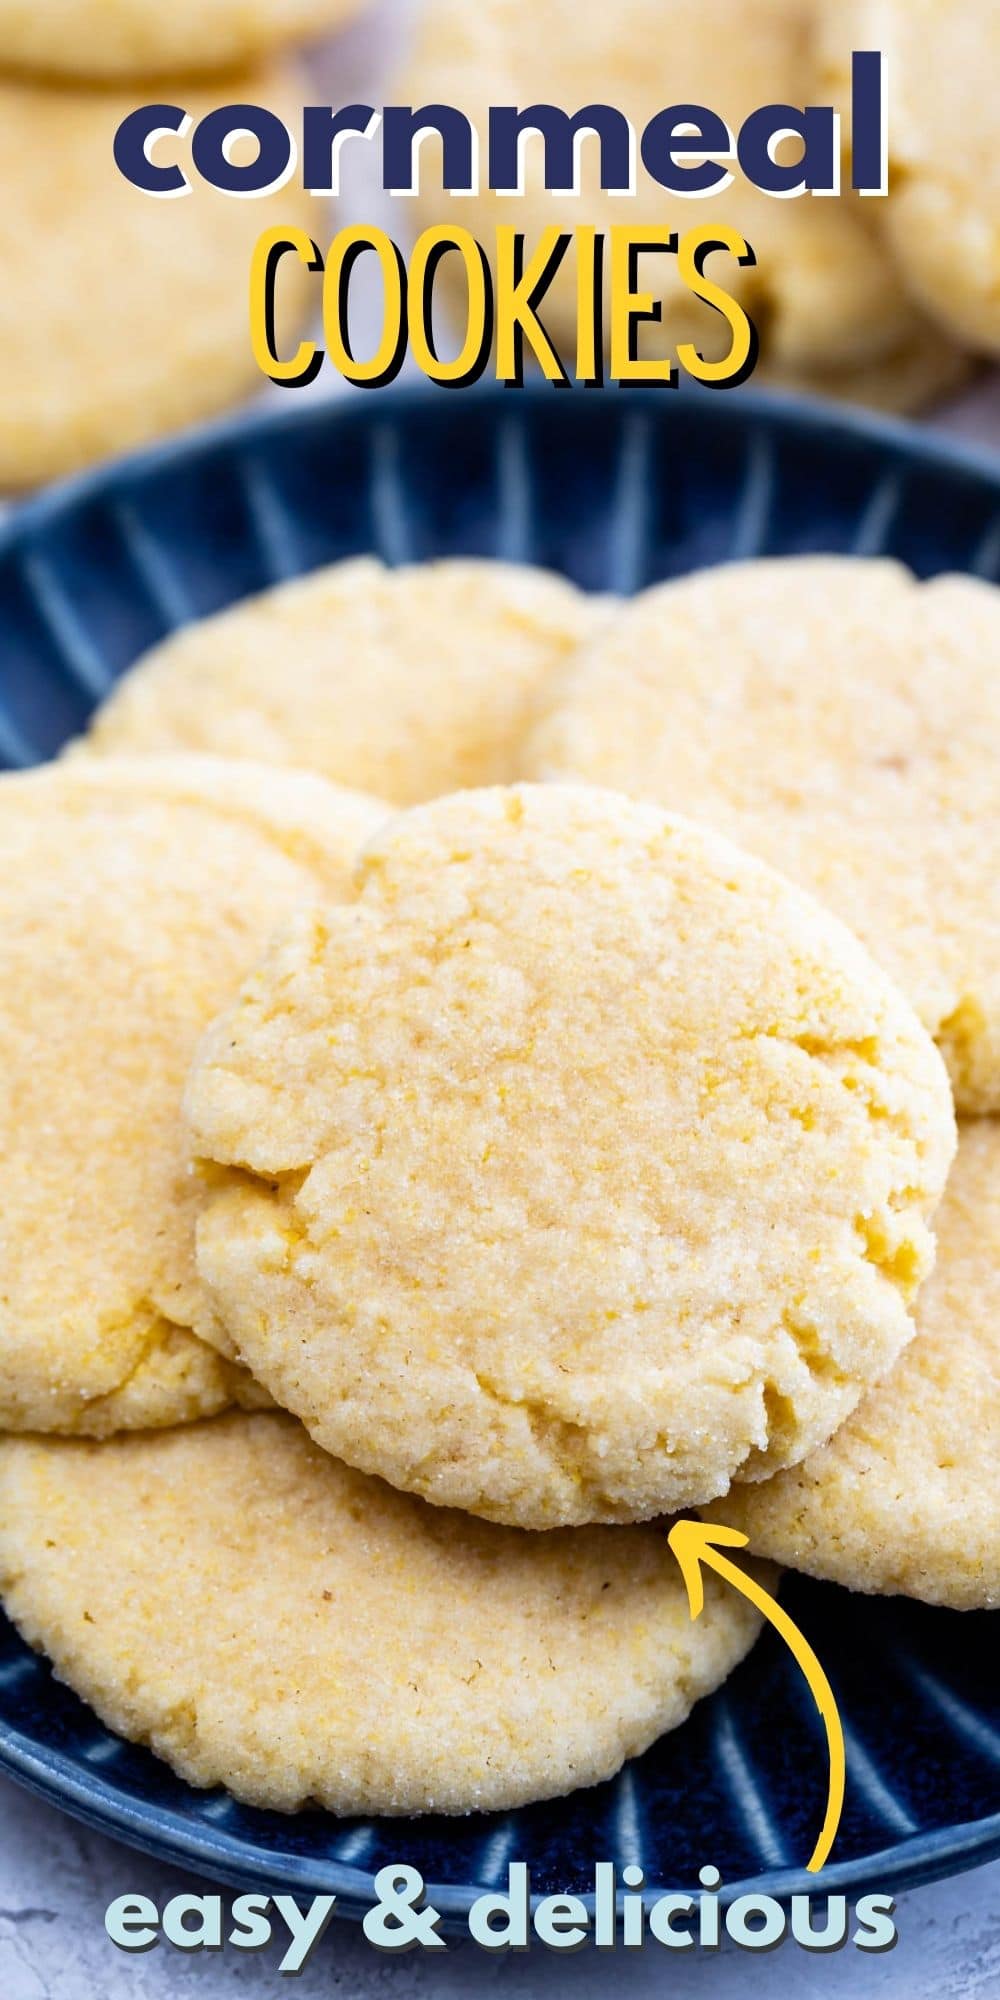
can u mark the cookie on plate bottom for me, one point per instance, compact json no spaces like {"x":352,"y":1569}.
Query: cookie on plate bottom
{"x":266,"y":1619}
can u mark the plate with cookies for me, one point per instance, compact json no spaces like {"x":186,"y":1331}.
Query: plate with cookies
{"x":500,"y":1010}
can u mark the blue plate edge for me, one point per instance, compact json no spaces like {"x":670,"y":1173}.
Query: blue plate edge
{"x":254,"y":423}
{"x":910,"y":1863}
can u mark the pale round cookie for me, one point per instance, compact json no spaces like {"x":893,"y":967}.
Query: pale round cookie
{"x":584,"y":1164}
{"x":944,"y":178}
{"x":904,"y":1498}
{"x":408,"y":682}
{"x":830,"y":309}
{"x":266,"y":1619}
{"x":134,"y":895}
{"x":123,"y":317}
{"x":136,"y":38}
{"x":842,"y":720}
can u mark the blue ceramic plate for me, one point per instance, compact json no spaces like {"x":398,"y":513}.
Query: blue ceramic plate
{"x":616,"y":490}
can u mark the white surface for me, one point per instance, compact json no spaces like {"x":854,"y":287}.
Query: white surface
{"x":56,"y":1879}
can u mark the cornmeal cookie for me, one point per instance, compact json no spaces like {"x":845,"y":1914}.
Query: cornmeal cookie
{"x":132,"y":38}
{"x":944,"y":181}
{"x":409,"y":682}
{"x":830,"y":309}
{"x":123,"y":317}
{"x":925,"y":372}
{"x":133,"y":898}
{"x":904,"y":1498}
{"x":843,"y":721}
{"x":584,"y":1164}
{"x":266,"y":1619}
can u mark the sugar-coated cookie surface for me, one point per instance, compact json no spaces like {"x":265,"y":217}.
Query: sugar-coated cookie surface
{"x":842,"y":720}
{"x":269,"y":1620}
{"x":119,"y":38}
{"x":584,"y":1164}
{"x":121,"y":317}
{"x":408,"y":682}
{"x":904,"y":1498}
{"x":944,"y":179}
{"x":134,"y":895}
{"x":831,"y":310}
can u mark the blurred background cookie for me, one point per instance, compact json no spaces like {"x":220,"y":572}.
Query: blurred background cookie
{"x":904,"y":1498}
{"x":407,"y":682}
{"x":123,"y":317}
{"x":926,"y":370}
{"x":831,"y":310}
{"x":940,"y":218}
{"x":136,"y":38}
{"x":133,"y":899}
{"x":268,"y":1620}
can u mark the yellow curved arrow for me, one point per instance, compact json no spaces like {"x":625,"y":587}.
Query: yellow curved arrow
{"x":695,"y":1543}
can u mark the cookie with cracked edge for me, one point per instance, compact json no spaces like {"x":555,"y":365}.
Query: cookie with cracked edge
{"x":266,"y":1619}
{"x":134,"y":896}
{"x":904,"y":1498}
{"x":577,"y":1167}
{"x":842,"y":720}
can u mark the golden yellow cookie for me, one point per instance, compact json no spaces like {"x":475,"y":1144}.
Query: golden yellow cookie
{"x":904,"y":1498}
{"x":408,"y":682}
{"x":829,"y":306}
{"x":843,"y":721}
{"x":133,"y":898}
{"x":584,"y":1164}
{"x":139,"y":38}
{"x":269,"y":1620}
{"x":940,"y":217}
{"x":122,"y":317}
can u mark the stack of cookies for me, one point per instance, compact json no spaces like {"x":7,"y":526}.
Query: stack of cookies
{"x":123,"y":317}
{"x":418,"y":1194}
{"x":882,"y":301}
